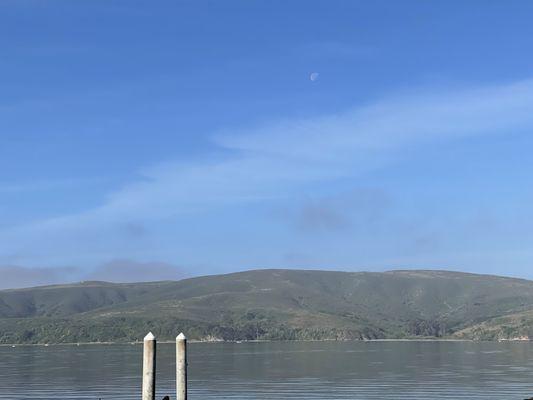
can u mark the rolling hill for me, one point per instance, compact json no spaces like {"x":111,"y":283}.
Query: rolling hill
{"x":275,"y":305}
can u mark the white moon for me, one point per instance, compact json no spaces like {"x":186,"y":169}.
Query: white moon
{"x":314,"y":76}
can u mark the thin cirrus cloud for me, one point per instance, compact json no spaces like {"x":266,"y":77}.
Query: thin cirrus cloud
{"x":275,"y":161}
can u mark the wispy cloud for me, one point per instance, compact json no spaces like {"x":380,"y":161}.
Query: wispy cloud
{"x":386,"y":126}
{"x":278,"y":160}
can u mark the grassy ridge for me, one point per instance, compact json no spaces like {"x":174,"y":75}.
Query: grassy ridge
{"x":273,"y":304}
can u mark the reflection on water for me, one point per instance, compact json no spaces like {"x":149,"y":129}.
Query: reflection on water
{"x":283,"y":370}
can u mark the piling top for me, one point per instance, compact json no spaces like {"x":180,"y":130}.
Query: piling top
{"x":150,"y":336}
{"x":181,"y":336}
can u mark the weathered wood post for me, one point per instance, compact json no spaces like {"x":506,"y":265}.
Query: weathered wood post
{"x":148,"y":388}
{"x":181,"y":367}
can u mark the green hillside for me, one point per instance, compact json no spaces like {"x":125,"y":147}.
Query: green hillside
{"x":273,"y":304}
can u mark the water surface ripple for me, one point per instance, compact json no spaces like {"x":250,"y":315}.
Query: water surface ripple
{"x":283,"y":370}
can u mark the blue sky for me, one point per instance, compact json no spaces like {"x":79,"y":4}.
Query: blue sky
{"x":190,"y":134}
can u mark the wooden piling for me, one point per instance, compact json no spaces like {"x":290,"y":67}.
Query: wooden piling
{"x":149,"y":349}
{"x":181,"y":367}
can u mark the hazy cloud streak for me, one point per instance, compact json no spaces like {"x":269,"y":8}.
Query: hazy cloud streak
{"x":277,"y":160}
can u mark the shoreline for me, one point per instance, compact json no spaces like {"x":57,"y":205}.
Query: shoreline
{"x":262,"y":341}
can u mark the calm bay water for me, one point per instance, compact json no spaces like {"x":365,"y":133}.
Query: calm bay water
{"x":284,"y":370}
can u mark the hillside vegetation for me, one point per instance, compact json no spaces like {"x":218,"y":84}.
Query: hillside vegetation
{"x":276,"y":305}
